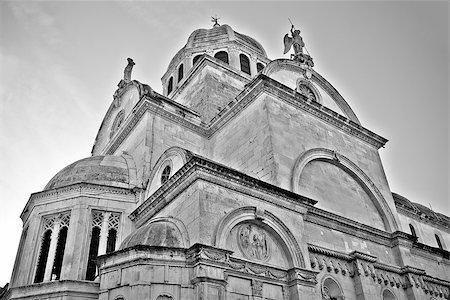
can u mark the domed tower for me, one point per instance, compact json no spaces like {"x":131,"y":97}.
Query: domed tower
{"x":213,"y":68}
{"x":81,"y":213}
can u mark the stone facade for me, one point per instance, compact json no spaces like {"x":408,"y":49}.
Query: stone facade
{"x":249,"y":178}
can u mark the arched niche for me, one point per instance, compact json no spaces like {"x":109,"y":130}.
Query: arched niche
{"x":386,"y":294}
{"x":288,"y":72}
{"x":259,"y":236}
{"x":347,"y":170}
{"x":331,"y":289}
{"x":175,"y":158}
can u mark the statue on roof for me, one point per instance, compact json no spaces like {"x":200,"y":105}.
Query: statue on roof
{"x":296,"y":42}
{"x":128,"y":69}
{"x":215,"y":20}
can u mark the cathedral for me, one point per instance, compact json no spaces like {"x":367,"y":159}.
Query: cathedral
{"x":247,"y":178}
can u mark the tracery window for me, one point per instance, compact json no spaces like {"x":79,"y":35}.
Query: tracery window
{"x":245,"y":63}
{"x":104,"y":229}
{"x":170,"y":86}
{"x":222,"y":55}
{"x":259,"y":67}
{"x":53,"y":243}
{"x":165,"y":175}
{"x":180,"y":72}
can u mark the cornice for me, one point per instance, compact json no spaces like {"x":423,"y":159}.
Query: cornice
{"x":77,"y":190}
{"x":330,"y":220}
{"x":201,"y":168}
{"x":419,"y":218}
{"x":177,"y":113}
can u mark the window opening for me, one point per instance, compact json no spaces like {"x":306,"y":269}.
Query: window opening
{"x":170,"y":86}
{"x":438,"y":240}
{"x":245,"y":63}
{"x":165,"y":174}
{"x":180,"y":72}
{"x":93,"y":251}
{"x":111,"y":242}
{"x":61,"y":245}
{"x":222,"y":55}
{"x":43,"y":255}
{"x":259,"y":67}
{"x":413,"y":231}
{"x":196,"y":58}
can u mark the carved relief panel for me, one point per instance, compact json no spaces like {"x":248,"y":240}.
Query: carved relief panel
{"x":252,"y":242}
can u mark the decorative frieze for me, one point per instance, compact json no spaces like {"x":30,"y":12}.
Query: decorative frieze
{"x":362,"y":264}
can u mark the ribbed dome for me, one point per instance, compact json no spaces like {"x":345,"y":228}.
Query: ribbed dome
{"x":108,"y":170}
{"x":216,"y":37}
{"x":160,"y":233}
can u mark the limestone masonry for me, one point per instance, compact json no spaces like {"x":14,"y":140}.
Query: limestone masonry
{"x":248,"y":178}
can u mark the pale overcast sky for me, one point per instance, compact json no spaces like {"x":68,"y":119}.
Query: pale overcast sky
{"x":60,"y":63}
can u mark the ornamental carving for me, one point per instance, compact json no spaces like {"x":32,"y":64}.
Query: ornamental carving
{"x":253,"y":242}
{"x":306,"y":91}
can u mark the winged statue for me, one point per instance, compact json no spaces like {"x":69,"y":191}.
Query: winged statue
{"x":296,"y":41}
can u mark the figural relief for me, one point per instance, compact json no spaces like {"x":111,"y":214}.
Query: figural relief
{"x":253,"y":243}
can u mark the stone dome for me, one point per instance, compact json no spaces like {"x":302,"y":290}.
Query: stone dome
{"x":217,"y":37}
{"x":159,"y":233}
{"x":111,"y":170}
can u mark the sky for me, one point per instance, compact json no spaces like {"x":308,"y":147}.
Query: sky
{"x":60,"y":62}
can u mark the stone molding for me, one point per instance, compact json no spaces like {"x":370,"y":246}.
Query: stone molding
{"x":295,"y":66}
{"x":50,"y":289}
{"x":419,"y":218}
{"x":82,"y":189}
{"x":362,"y":264}
{"x":201,"y":168}
{"x":350,"y":168}
{"x":179,"y":114}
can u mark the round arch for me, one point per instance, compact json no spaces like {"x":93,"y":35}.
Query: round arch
{"x":354,"y":171}
{"x":331,"y":289}
{"x":387,"y":294}
{"x":175,"y":157}
{"x":267,"y":220}
{"x":290,"y":65}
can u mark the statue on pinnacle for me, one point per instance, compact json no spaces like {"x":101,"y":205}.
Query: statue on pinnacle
{"x":296,"y":41}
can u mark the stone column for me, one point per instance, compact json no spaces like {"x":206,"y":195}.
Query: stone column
{"x":253,"y":70}
{"x":103,"y":234}
{"x":52,"y":251}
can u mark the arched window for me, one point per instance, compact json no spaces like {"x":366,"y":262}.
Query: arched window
{"x":93,"y":252}
{"x":196,"y":58}
{"x":43,"y":255}
{"x":413,"y":231}
{"x":259,"y":67}
{"x":222,"y":55}
{"x":438,"y":241}
{"x":170,"y":86}
{"x":117,"y":122}
{"x":164,"y":297}
{"x":180,"y":72}
{"x":111,"y":241}
{"x":165,"y":175}
{"x":60,"y":246}
{"x":245,"y":63}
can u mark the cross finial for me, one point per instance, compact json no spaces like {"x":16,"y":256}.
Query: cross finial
{"x":215,"y":21}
